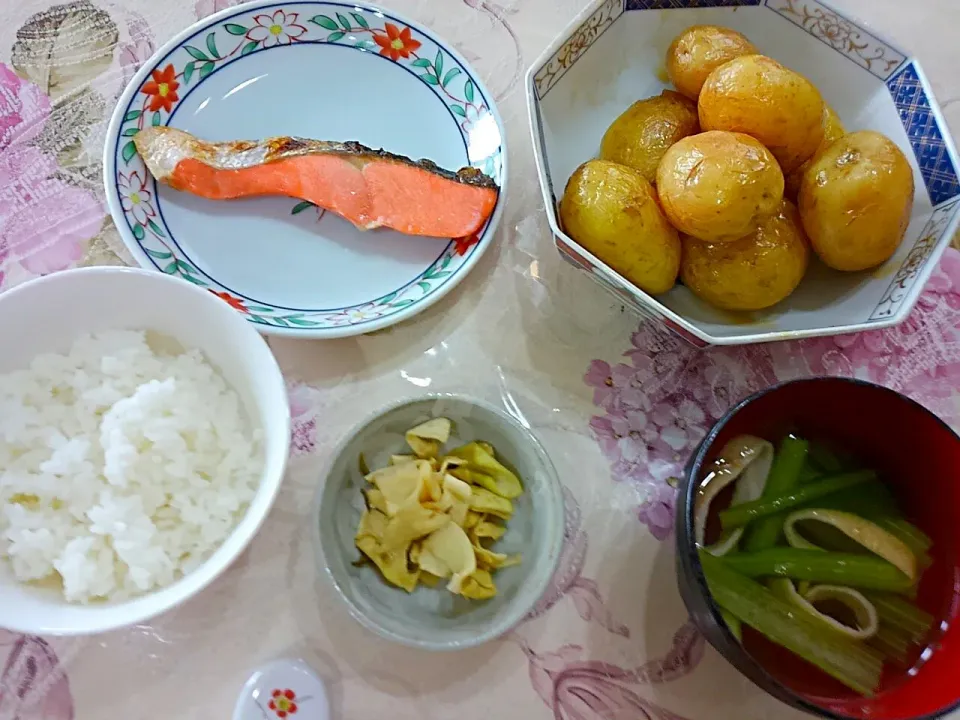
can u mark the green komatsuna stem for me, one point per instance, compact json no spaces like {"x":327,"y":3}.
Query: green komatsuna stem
{"x":733,"y":622}
{"x":902,"y":615}
{"x":850,"y":662}
{"x":747,"y":512}
{"x":819,"y":566}
{"x":870,"y":501}
{"x":824,"y":458}
{"x":892,"y":643}
{"x":809,"y":473}
{"x":784,"y":477}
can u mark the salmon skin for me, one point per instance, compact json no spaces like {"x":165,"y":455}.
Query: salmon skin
{"x":370,"y":188}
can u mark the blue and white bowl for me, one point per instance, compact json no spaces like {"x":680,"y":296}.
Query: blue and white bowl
{"x":613,"y":55}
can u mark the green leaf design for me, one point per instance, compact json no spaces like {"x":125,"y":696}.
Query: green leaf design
{"x":451,"y":74}
{"x":402,"y":303}
{"x":249,"y":48}
{"x":301,"y":322}
{"x":446,"y":261}
{"x":185,"y":267}
{"x":334,"y":36}
{"x":257,"y":319}
{"x":130,"y":132}
{"x":170,"y":269}
{"x":301,"y":206}
{"x":280,"y":321}
{"x":206,"y":69}
{"x":260,"y":308}
{"x":388,"y":298}
{"x":324,"y":22}
{"x":132,"y":115}
{"x":138,"y":232}
{"x":365,"y":45}
{"x":421,"y":62}
{"x":188,"y":71}
{"x":438,"y":63}
{"x":157,"y":253}
{"x":343,"y":22}
{"x":212,"y":44}
{"x":361,"y":20}
{"x":194,"y":53}
{"x":129,"y":150}
{"x":156,"y":228}
{"x":429,"y":79}
{"x":435,"y":275}
{"x":235,"y":29}
{"x":156,"y":119}
{"x":195,"y":280}
{"x":457,"y":110}
{"x":424,"y":285}
{"x":468,"y":90}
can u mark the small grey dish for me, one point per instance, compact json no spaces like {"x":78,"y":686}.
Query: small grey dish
{"x":433,"y":618}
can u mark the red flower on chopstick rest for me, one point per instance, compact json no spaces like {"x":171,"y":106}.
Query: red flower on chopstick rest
{"x":162,"y":89}
{"x":396,"y":43}
{"x":283,"y":702}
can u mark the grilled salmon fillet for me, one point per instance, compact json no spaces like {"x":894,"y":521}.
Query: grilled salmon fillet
{"x":370,"y":188}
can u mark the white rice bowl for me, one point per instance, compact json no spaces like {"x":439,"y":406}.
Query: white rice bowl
{"x":122,"y":468}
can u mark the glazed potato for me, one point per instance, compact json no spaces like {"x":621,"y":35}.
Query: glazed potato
{"x":719,"y":186}
{"x":760,"y":97}
{"x":752,"y":273}
{"x":612,"y":211}
{"x":698,"y":51}
{"x":832,"y":130}
{"x":643,"y":133}
{"x":856,"y":199}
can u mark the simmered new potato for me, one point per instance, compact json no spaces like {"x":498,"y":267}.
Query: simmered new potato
{"x":833,"y":130}
{"x":612,"y":211}
{"x":758,"y":96}
{"x":752,"y":273}
{"x":698,"y":51}
{"x":719,"y":186}
{"x":856,"y":199}
{"x":643,"y":133}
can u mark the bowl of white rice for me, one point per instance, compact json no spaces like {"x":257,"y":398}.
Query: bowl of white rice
{"x":144,"y":433}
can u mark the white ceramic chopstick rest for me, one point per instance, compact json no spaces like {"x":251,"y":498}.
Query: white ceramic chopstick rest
{"x":283,"y":690}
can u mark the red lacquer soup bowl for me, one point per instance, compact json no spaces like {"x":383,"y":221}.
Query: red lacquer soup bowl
{"x":918,"y":456}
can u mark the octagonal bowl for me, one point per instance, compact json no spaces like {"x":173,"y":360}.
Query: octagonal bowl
{"x":613,"y":54}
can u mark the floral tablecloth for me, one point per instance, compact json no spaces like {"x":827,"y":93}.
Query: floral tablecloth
{"x":619,"y":406}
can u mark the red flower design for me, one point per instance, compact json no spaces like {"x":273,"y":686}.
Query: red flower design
{"x":162,"y":89}
{"x":282,"y":702}
{"x":397,"y":43}
{"x":234,"y":302}
{"x":465,"y":243}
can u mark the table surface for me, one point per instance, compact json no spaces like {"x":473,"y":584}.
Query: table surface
{"x":618,"y":406}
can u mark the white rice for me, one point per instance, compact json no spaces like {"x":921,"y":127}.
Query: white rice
{"x":121,"y":468}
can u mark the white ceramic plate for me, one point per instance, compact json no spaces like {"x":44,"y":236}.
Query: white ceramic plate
{"x":321,"y":70}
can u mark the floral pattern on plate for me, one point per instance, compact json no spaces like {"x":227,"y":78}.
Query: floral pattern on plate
{"x":250,"y":31}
